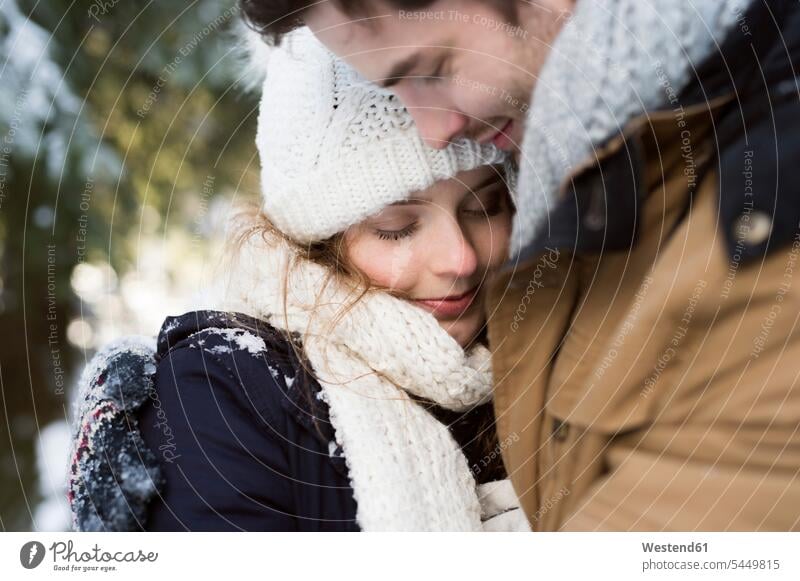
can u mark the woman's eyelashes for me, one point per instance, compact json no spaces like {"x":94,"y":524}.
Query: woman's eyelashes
{"x":395,"y":235}
{"x":485,"y":205}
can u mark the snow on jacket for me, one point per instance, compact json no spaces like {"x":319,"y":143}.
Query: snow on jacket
{"x":190,"y":436}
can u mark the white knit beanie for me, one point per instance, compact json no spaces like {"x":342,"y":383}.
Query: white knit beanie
{"x":336,"y":149}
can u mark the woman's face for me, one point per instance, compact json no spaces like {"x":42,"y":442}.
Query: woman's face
{"x":437,"y":248}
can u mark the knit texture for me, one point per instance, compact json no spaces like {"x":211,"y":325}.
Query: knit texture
{"x":336,"y":149}
{"x":614,"y":60}
{"x":113,"y":474}
{"x":500,"y":509}
{"x":407,"y":471}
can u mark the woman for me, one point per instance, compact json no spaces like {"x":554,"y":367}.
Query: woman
{"x":342,"y":382}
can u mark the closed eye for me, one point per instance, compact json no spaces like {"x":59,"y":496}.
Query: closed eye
{"x":396,"y":234}
{"x":437,"y":74}
{"x":404,"y":70}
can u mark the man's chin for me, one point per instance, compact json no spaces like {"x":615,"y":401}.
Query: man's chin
{"x":517,"y":135}
{"x":514,"y":147}
{"x":511,"y":141}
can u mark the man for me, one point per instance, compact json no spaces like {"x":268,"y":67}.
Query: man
{"x":461,"y":68}
{"x":645,"y":330}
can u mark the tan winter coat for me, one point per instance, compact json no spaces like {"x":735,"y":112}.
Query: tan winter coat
{"x":655,"y":387}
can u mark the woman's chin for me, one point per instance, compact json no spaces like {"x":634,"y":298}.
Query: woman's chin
{"x":464,"y":327}
{"x":463,"y":330}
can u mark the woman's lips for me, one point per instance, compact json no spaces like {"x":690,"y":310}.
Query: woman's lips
{"x":449,"y":307}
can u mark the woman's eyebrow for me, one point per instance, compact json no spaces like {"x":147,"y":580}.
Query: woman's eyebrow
{"x":419,"y":201}
{"x":410,"y":201}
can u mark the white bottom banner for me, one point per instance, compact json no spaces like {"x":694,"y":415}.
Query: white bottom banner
{"x":329,"y":557}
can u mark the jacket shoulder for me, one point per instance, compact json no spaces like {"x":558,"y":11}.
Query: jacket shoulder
{"x":231,"y":415}
{"x":259,"y":364}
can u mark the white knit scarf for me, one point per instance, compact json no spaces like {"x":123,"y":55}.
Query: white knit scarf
{"x":407,"y":471}
{"x":613,"y":60}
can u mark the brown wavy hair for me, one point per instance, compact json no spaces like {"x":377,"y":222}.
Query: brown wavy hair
{"x":249,"y":220}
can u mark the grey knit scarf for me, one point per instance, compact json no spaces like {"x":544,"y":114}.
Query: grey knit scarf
{"x":613,"y":60}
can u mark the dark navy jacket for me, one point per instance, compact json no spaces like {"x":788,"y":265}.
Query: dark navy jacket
{"x":243,"y":441}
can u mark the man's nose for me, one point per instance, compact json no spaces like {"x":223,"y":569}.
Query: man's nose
{"x":438,"y":126}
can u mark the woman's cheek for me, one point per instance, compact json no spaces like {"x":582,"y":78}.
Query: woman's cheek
{"x":491,"y":239}
{"x":387,"y":263}
{"x":399,"y":266}
{"x":501,"y":236}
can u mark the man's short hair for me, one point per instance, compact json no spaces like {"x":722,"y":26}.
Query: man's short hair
{"x":274,"y":18}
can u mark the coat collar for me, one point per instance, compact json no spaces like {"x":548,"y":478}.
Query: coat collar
{"x":749,"y":76}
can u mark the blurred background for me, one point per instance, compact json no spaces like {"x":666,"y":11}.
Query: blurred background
{"x":125,"y":136}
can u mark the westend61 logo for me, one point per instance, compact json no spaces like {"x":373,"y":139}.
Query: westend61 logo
{"x":65,"y":558}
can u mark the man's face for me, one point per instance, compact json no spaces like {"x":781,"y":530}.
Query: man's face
{"x":460,"y":68}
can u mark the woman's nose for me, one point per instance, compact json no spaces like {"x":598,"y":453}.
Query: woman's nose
{"x":454,"y":254}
